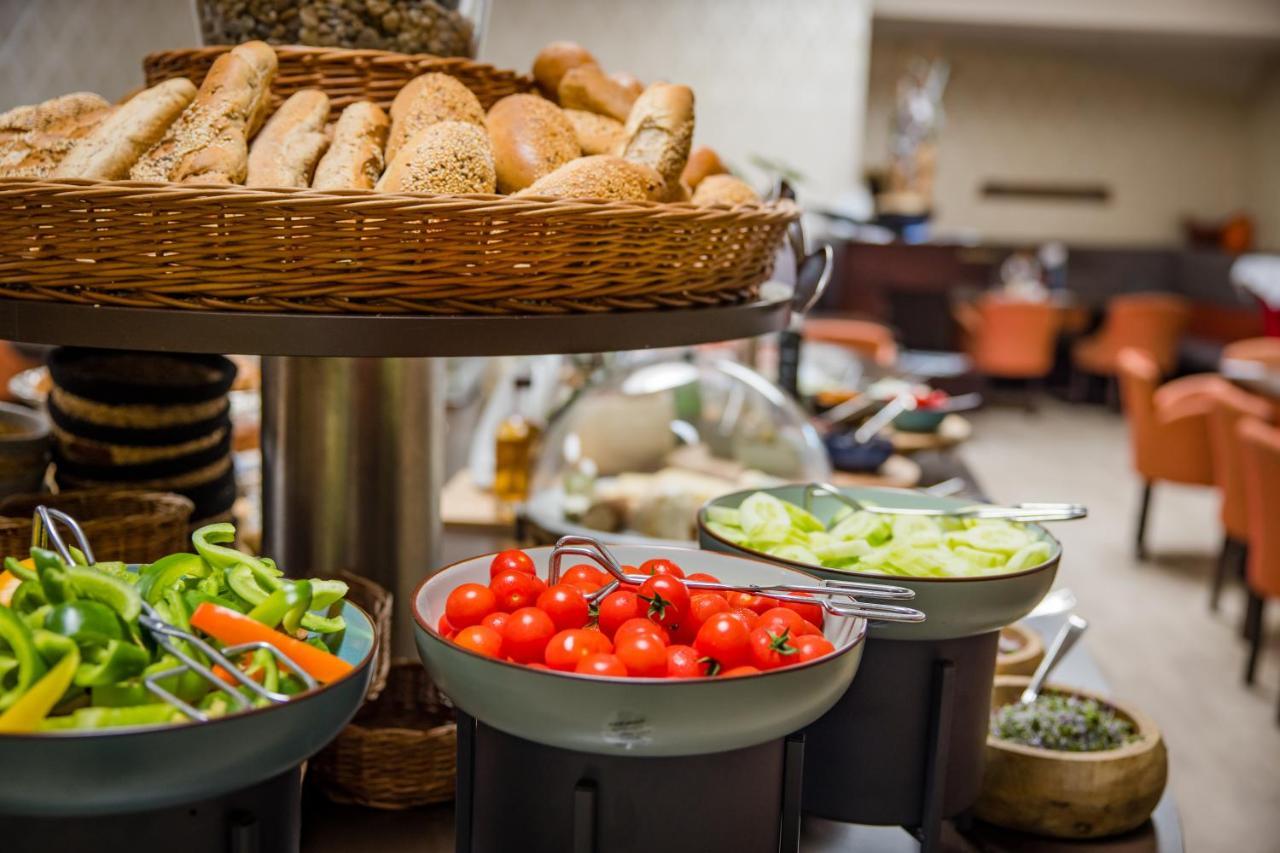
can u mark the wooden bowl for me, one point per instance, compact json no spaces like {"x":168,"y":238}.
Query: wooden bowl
{"x":1024,"y":659}
{"x":1071,"y":794}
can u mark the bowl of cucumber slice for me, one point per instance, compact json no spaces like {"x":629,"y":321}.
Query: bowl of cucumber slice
{"x":970,"y":576}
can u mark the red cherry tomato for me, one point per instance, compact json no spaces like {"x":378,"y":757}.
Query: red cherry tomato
{"x":584,"y":577}
{"x":684,"y":662}
{"x":536,"y":666}
{"x":725,"y":638}
{"x":811,"y":647}
{"x":781,"y":619}
{"x":811,"y":612}
{"x":565,"y":605}
{"x":739,"y":671}
{"x":641,"y":625}
{"x":643,"y":654}
{"x":702,"y":606}
{"x":749,"y":617}
{"x":616,"y":608}
{"x":496,"y":620}
{"x":661,"y":566}
{"x":526,"y":635}
{"x":444,"y":629}
{"x":515,"y":589}
{"x":668,"y":599}
{"x":601,"y":664}
{"x":770,"y":650}
{"x":568,"y":647}
{"x":513,"y":560}
{"x":751,"y":601}
{"x":703,"y":576}
{"x":469,"y":604}
{"x":480,"y":639}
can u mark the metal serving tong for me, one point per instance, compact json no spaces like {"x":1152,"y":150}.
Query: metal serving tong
{"x":1015,"y":512}
{"x":45,"y":534}
{"x":817,"y":593}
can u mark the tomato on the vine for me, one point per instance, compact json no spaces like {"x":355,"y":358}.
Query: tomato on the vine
{"x":770,"y":650}
{"x":468,"y":604}
{"x":643,"y":654}
{"x":661,"y":566}
{"x":725,"y":638}
{"x":668,"y":599}
{"x":811,"y":647}
{"x":685,"y":662}
{"x":565,"y":605}
{"x":526,"y":635}
{"x":512,"y":560}
{"x":480,"y":639}
{"x":616,"y":608}
{"x":811,"y":612}
{"x":601,"y":664}
{"x":641,"y":625}
{"x":568,"y":647}
{"x":515,"y":589}
{"x":584,"y":577}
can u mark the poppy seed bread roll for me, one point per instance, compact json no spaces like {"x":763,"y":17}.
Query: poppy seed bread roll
{"x":285,"y":153}
{"x":659,"y":132}
{"x":600,"y":176}
{"x":354,"y":160}
{"x":428,"y":99}
{"x":531,"y":137}
{"x":447,"y":157}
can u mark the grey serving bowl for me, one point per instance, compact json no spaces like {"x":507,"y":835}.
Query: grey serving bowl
{"x":955,"y":607}
{"x":636,"y":716}
{"x":115,"y":771}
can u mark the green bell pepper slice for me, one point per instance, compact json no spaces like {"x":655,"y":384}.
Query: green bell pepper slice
{"x":288,"y":604}
{"x":121,"y":695}
{"x":87,"y":622}
{"x":195,"y":597}
{"x":29,"y":596}
{"x":16,"y":568}
{"x":52,"y":647}
{"x":54,"y":579}
{"x":168,"y":571}
{"x":15,"y":637}
{"x":105,"y":718}
{"x":116,"y":661}
{"x":35,"y":619}
{"x":327,"y":591}
{"x":120,"y":596}
{"x":210,"y":542}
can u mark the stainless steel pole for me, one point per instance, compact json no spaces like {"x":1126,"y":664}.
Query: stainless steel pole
{"x":352,"y":460}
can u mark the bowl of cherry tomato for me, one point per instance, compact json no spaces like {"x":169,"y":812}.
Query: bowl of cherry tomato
{"x":651,"y":669}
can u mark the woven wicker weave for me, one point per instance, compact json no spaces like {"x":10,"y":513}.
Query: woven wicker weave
{"x":400,"y":750}
{"x":132,"y":526}
{"x":234,"y":248}
{"x":346,"y":75}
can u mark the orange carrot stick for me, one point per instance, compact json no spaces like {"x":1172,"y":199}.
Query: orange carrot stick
{"x":232,"y":628}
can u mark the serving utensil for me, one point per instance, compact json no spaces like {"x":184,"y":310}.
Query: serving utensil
{"x":881,"y":419}
{"x":1071,"y":631}
{"x":1022,"y":512}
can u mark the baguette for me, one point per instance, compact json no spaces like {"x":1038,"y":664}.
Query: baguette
{"x":426,"y":100}
{"x":600,"y":176}
{"x":703,"y":163}
{"x":554,"y":60}
{"x":35,"y":139}
{"x":209,"y":143}
{"x":629,"y":82}
{"x":285,"y":153}
{"x":354,"y":160}
{"x":446,"y":157}
{"x":724,"y":189}
{"x":659,"y":132}
{"x":587,"y":87}
{"x":115,"y":145}
{"x":597,"y":134}
{"x":530,"y":137}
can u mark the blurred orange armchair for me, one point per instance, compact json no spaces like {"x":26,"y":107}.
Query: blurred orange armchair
{"x":869,"y":340}
{"x":1145,"y":321}
{"x":1010,"y":338}
{"x":1260,"y":445}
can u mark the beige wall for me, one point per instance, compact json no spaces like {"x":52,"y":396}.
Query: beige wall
{"x":1165,"y":147}
{"x":1264,"y":162}
{"x":786,"y":80}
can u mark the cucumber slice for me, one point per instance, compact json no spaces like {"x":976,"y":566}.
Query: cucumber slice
{"x":724,"y":515}
{"x":727,"y":533}
{"x":1032,"y":555}
{"x":802,"y":519}
{"x":979,"y":559}
{"x":843,"y":551}
{"x":863,"y":525}
{"x":1000,"y":537}
{"x":796,"y":553}
{"x":917,"y":531}
{"x":765,"y":518}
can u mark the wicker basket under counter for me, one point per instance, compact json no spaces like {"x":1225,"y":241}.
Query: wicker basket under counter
{"x":131,"y":526}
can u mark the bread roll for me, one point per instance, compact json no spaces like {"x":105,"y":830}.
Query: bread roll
{"x":114,"y":146}
{"x":597,"y":134}
{"x":35,"y":139}
{"x":530,"y":137}
{"x":285,"y":153}
{"x":724,"y":189}
{"x":586,"y":87}
{"x":426,"y":100}
{"x":628,"y":82}
{"x":209,"y":143}
{"x":659,"y":131}
{"x":354,"y":160}
{"x":447,"y":157}
{"x":554,"y":60}
{"x":599,"y":176}
{"x":703,"y":162}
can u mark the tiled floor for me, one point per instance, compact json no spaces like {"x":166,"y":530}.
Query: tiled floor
{"x":1151,"y":630}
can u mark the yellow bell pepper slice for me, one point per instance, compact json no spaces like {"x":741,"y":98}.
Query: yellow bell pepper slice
{"x":9,"y":582}
{"x":26,"y":714}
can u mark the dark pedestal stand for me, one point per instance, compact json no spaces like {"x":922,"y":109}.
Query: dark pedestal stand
{"x":266,"y":818}
{"x":514,"y":794}
{"x":904,"y":745}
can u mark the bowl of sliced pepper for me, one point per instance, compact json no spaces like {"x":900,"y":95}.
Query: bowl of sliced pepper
{"x":133,"y":687}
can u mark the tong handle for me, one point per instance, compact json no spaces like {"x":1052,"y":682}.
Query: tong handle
{"x":44,"y":532}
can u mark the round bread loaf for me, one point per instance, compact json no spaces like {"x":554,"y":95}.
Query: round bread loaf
{"x":587,"y":87}
{"x":724,"y":189}
{"x":554,"y":60}
{"x":659,"y":132}
{"x":597,"y":134}
{"x":428,"y":99}
{"x":703,"y":162}
{"x":447,"y":157}
{"x":531,"y":137}
{"x":599,"y":176}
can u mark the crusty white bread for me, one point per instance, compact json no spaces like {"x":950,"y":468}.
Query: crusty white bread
{"x":600,"y":176}
{"x":112,"y":148}
{"x":35,"y":138}
{"x":703,"y":162}
{"x":425,"y":100}
{"x":597,"y":134}
{"x":285,"y":153}
{"x":446,"y":157}
{"x":724,"y":189}
{"x":209,"y":143}
{"x":659,"y":132}
{"x":354,"y":160}
{"x":554,"y":60}
{"x":587,"y":87}
{"x":530,"y":137}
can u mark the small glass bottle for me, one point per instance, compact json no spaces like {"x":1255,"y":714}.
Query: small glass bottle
{"x":517,"y":439}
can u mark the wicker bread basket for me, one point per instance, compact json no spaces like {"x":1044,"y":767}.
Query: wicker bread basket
{"x":358,"y":251}
{"x":132,"y":526}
